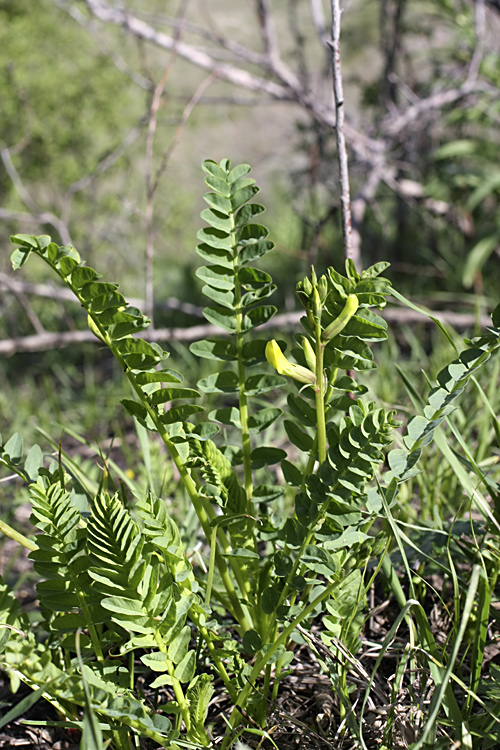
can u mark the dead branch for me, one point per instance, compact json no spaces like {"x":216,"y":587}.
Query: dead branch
{"x":396,"y":315}
{"x":338,"y":91}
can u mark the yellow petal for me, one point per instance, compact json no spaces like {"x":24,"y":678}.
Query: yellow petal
{"x":277,"y":359}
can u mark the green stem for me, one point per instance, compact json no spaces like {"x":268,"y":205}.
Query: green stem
{"x":243,"y":401}
{"x":16,"y":536}
{"x":176,"y":685}
{"x":261,"y":661}
{"x":213,"y":651}
{"x":319,"y":391}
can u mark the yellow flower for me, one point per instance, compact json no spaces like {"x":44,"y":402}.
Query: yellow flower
{"x":277,"y":359}
{"x":338,"y":325}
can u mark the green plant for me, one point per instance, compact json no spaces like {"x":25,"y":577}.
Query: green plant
{"x":117,"y":589}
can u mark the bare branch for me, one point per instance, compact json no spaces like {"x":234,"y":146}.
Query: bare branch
{"x":25,"y":304}
{"x":29,"y":202}
{"x":345,"y":194}
{"x":395,"y":315}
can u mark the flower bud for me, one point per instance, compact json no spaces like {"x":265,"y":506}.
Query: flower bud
{"x":323,"y":289}
{"x":309,"y":353}
{"x":307,"y":287}
{"x":314,"y":278}
{"x":277,"y":359}
{"x":338,"y":325}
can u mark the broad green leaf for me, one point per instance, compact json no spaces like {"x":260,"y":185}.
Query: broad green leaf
{"x":95,"y":289}
{"x":251,"y":233}
{"x":219,"y":203}
{"x":215,"y":238}
{"x":220,"y":382}
{"x":253,"y":250}
{"x":67,"y":265}
{"x":319,"y":560}
{"x":217,"y":219}
{"x":375,"y":270}
{"x":302,"y":410}
{"x":292,"y":474}
{"x":254,"y":351}
{"x":238,"y":172}
{"x":257,"y":384}
{"x":266,"y":456}
{"x":184,"y":671}
{"x":179,"y":647}
{"x":25,"y":240}
{"x":212,"y":168}
{"x":134,"y":408}
{"x":227,"y":415}
{"x":14,"y":448}
{"x":298,"y":437}
{"x":216,"y":255}
{"x":264,"y":493}
{"x":248,"y":213}
{"x":19,"y":257}
{"x":181,"y":413}
{"x":82,"y":275}
{"x":403,"y":464}
{"x":169,"y":394}
{"x":224,"y":298}
{"x":225,"y":319}
{"x":262,"y":419}
{"x":258,"y":316}
{"x":220,"y":277}
{"x":252,"y":642}
{"x":205,"y":431}
{"x":215,"y":349}
{"x":253,"y":278}
{"x":158,"y":376}
{"x":242,"y":195}
{"x":218,"y":185}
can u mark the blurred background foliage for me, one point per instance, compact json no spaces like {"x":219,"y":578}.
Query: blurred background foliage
{"x":78,"y":102}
